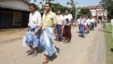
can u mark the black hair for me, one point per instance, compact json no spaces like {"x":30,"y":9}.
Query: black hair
{"x":60,"y":11}
{"x":48,"y":3}
{"x":67,"y":10}
{"x":32,"y":4}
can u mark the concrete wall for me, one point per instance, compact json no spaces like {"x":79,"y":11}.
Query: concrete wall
{"x":15,"y":4}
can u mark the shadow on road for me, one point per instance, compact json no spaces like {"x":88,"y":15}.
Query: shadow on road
{"x":57,"y":49}
{"x":53,"y":57}
{"x":104,"y":31}
{"x":41,"y":49}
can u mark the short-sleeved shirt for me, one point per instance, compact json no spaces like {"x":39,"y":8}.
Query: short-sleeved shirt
{"x":88,"y":21}
{"x":49,"y":20}
{"x":79,"y":20}
{"x":34,"y":19}
{"x":69,"y":17}
{"x":60,"y":19}
{"x":92,"y":20}
{"x":82,"y":21}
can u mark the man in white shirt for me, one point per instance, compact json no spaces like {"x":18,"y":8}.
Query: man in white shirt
{"x":89,"y":23}
{"x":92,"y":23}
{"x":60,"y":25}
{"x":33,"y":41}
{"x":79,"y":20}
{"x":82,"y":26}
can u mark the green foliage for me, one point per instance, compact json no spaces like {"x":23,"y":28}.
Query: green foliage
{"x":58,"y":6}
{"x":73,"y":8}
{"x":109,"y":40}
{"x":108,"y":4}
{"x":110,"y":9}
{"x":85,"y":12}
{"x":72,"y":11}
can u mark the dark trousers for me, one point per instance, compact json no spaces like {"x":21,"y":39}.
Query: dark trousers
{"x":59,"y":31}
{"x":82,"y":30}
{"x":92,"y":26}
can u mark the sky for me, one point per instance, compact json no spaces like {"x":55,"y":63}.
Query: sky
{"x":81,"y":3}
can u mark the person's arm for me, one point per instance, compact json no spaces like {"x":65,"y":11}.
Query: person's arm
{"x":29,"y":23}
{"x":28,"y":28}
{"x":39,"y":23}
{"x":62,"y":22}
{"x":55,"y":24}
{"x":40,"y":26}
{"x":39,"y":18}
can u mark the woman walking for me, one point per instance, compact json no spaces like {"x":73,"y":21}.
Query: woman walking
{"x":67,"y":28}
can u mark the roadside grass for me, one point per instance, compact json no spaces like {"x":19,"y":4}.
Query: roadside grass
{"x":109,"y":40}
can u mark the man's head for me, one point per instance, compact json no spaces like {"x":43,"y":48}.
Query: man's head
{"x":67,"y":11}
{"x":59,"y":12}
{"x":47,"y":6}
{"x":80,"y":17}
{"x":83,"y":16}
{"x":32,"y":7}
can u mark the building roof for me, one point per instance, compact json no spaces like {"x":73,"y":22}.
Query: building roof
{"x":91,"y":7}
{"x":16,"y":7}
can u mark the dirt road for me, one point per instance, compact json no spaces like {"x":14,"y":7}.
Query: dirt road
{"x":88,"y":50}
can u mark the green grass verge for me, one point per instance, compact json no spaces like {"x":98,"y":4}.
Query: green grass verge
{"x":109,"y":40}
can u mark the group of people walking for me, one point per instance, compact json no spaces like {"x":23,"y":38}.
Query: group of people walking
{"x":42,"y":30}
{"x":64,"y":26}
{"x":86,"y":24}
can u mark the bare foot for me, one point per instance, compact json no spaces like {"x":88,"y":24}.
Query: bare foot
{"x":46,"y":60}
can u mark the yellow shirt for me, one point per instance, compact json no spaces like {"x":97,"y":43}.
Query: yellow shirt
{"x":49,"y":20}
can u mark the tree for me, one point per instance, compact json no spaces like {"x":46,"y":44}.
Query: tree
{"x":108,"y":5}
{"x":30,"y":0}
{"x":73,"y":8}
{"x":85,"y":12}
{"x":58,"y":6}
{"x":43,"y":2}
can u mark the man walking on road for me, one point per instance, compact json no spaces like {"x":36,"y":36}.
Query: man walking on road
{"x":60,"y":25}
{"x":79,"y":19}
{"x":34,"y":21}
{"x":49,"y":21}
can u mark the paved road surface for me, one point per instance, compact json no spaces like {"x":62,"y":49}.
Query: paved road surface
{"x":88,"y":50}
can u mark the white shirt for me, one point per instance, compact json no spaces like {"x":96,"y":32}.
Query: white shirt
{"x":60,"y":19}
{"x":34,"y":19}
{"x":69,"y":19}
{"x":88,"y":21}
{"x":82,"y":21}
{"x":93,"y":20}
{"x":71,"y":16}
{"x":85,"y":23}
{"x":78,"y":21}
